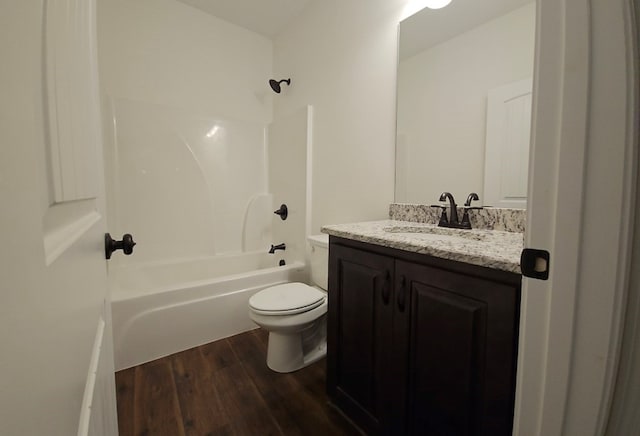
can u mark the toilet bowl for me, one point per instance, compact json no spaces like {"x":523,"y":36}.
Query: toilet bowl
{"x":294,"y":314}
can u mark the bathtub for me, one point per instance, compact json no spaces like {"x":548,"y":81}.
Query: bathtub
{"x":163,"y":308}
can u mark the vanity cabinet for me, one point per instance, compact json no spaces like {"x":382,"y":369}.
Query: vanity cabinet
{"x":420,"y":345}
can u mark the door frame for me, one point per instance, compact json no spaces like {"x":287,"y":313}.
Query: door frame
{"x":582,"y":172}
{"x":623,"y":418}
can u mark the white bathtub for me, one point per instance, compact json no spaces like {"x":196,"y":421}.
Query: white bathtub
{"x":161,"y":309}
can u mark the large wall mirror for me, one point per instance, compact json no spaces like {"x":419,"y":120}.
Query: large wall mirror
{"x":464,"y":102}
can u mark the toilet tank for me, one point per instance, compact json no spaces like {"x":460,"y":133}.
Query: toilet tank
{"x":319,"y":260}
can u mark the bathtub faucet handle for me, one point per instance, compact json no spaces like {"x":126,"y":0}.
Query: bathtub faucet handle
{"x":283,"y":212}
{"x":277,"y":247}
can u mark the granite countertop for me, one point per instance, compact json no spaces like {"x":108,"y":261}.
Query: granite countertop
{"x":489,"y":248}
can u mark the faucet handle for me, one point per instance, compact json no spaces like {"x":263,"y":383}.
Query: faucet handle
{"x":444,"y":220}
{"x":466,"y":222}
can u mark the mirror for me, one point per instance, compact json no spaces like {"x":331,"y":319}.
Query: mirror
{"x":453,"y":64}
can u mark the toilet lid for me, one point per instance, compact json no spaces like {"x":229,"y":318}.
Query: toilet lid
{"x":287,"y":299}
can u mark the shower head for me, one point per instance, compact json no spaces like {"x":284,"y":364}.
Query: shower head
{"x":275,"y":85}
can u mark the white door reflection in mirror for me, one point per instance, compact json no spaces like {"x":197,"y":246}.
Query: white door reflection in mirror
{"x":507,"y":145}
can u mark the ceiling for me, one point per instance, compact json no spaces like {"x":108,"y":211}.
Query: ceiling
{"x":429,"y":27}
{"x":266,"y":17}
{"x":420,"y":31}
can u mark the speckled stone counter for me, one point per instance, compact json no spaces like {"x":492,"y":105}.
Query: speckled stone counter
{"x":489,"y":248}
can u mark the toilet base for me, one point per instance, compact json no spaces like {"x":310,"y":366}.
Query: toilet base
{"x":291,"y":352}
{"x":284,"y":353}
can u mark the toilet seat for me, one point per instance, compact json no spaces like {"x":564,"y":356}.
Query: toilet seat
{"x":286,"y":299}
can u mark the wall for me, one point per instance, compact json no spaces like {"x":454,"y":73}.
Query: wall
{"x":186,"y":158}
{"x":442,"y":102}
{"x":165,"y":52}
{"x":341,"y":57}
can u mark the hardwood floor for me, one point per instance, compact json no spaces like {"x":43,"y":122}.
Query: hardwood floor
{"x":225,"y":388}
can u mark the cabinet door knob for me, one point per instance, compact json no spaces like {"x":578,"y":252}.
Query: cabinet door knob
{"x":386,"y":288}
{"x":401,"y":292}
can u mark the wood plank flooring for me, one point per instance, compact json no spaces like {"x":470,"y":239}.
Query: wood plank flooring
{"x":225,"y":388}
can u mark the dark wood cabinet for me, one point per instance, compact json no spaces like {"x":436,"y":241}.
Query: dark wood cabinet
{"x":420,"y":345}
{"x":361,"y":316}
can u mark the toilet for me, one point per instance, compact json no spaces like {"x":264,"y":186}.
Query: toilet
{"x":295,"y":314}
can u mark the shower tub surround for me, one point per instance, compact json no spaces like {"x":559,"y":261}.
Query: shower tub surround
{"x":197,"y":193}
{"x":186,"y":184}
{"x":416,"y":230}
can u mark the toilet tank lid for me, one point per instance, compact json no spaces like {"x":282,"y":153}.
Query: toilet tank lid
{"x":321,"y":240}
{"x":286,"y":297}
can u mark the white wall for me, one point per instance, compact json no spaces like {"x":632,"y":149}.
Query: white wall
{"x":442,"y":102}
{"x":341,"y":57}
{"x":165,"y":52}
{"x":170,"y":73}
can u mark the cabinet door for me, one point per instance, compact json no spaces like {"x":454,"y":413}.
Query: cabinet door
{"x":359,"y":334}
{"x":458,"y":336}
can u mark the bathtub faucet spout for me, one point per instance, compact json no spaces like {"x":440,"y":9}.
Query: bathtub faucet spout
{"x":277,"y":247}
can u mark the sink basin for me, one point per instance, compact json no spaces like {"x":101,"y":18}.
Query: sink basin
{"x":424,"y":233}
{"x":434,"y":237}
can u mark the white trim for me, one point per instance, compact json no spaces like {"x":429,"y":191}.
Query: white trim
{"x":568,"y":217}
{"x":624,"y":396}
{"x":627,"y":217}
{"x":309,"y":164}
{"x":556,"y":168}
{"x":606,"y":219}
{"x":65,"y":224}
{"x":581,"y":189}
{"x":308,"y":231}
{"x":89,"y":389}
